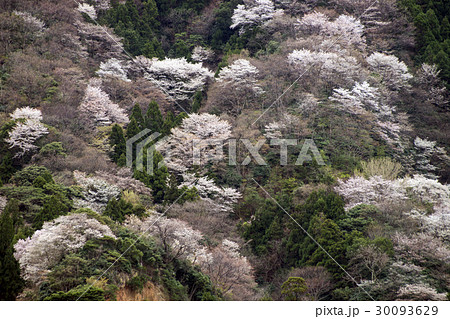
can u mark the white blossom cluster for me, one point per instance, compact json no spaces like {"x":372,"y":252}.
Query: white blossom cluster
{"x":96,"y":192}
{"x":38,"y":253}
{"x":240,"y":74}
{"x":225,"y":198}
{"x":394,"y":72}
{"x":358,"y":190}
{"x":252,"y":13}
{"x":27,"y":113}
{"x":201,"y":54}
{"x":27,"y":131}
{"x":98,"y":109}
{"x":364,"y":99}
{"x":176,"y":236}
{"x":35,"y":23}
{"x":197,"y":131}
{"x":425,"y":149}
{"x":416,"y":190}
{"x":361,"y":98}
{"x":87,"y":9}
{"x":176,"y":77}
{"x":346,"y":28}
{"x":420,"y":291}
{"x":113,"y":68}
{"x":123,"y":179}
{"x":328,"y":64}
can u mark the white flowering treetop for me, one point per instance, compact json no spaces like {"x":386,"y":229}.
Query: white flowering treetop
{"x":416,"y":190}
{"x":27,"y":130}
{"x":38,"y":253}
{"x":87,"y":9}
{"x":425,"y":150}
{"x":253,"y":13}
{"x":200,"y":54}
{"x":328,"y":64}
{"x":114,"y":68}
{"x":358,"y":190}
{"x":96,"y":192}
{"x":394,"y":72}
{"x":360,"y":99}
{"x":346,"y":28}
{"x":197,"y":132}
{"x":177,"y":77}
{"x":224,"y":198}
{"x":206,"y":126}
{"x":240,"y":74}
{"x":37,"y":24}
{"x":98,"y":109}
{"x":176,"y":236}
{"x":27,"y":113}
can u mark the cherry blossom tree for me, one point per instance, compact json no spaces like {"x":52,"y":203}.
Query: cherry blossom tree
{"x":176,"y":77}
{"x":201,"y":54}
{"x":114,"y":68}
{"x":358,"y":190}
{"x":420,"y":292}
{"x":38,"y":253}
{"x":239,"y":75}
{"x":177,"y":238}
{"x":87,"y":9}
{"x":96,"y":192}
{"x":204,"y":133}
{"x":98,"y":109}
{"x":326,"y":65}
{"x":36,"y":24}
{"x":428,"y":190}
{"x":252,"y":13}
{"x":224,"y":198}
{"x":345,"y":29}
{"x":360,"y":99}
{"x":27,"y":113}
{"x":229,"y":271}
{"x":429,"y":81}
{"x":3,"y":202}
{"x":27,"y":131}
{"x":123,"y":179}
{"x":394,"y":72}
{"x":411,"y":248}
{"x":425,"y":150}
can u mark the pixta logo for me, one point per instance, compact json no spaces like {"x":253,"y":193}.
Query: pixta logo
{"x":201,"y":151}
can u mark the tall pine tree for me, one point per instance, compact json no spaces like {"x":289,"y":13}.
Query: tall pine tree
{"x":153,"y":119}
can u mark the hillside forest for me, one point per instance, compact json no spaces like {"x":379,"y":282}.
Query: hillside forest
{"x":331,"y":182}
